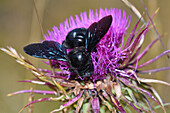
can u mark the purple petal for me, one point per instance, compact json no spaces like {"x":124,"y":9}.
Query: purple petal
{"x":148,"y":103}
{"x":153,"y":70}
{"x":114,"y":100}
{"x":133,"y":46}
{"x":154,"y":59}
{"x":34,"y":91}
{"x":73,"y":100}
{"x":69,"y":102}
{"x":136,"y":40}
{"x":158,"y":97}
{"x":117,"y":104}
{"x":145,"y":51}
{"x":131,"y":104}
{"x":150,"y":19}
{"x":95,"y":105}
{"x":135,"y":55}
{"x":58,"y":74}
{"x":41,"y":100}
{"x":131,"y":36}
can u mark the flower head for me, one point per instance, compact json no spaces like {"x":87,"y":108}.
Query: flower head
{"x":114,"y":83}
{"x":108,"y":50}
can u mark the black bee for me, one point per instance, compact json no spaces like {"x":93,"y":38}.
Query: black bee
{"x":81,"y":41}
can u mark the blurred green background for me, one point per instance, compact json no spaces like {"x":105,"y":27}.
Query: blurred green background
{"x":19,"y":27}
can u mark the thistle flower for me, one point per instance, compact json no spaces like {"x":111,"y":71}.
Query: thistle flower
{"x":114,"y":83}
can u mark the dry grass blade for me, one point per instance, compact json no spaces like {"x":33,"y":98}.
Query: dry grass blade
{"x":31,"y":98}
{"x":153,"y":81}
{"x":21,"y":60}
{"x":134,"y":10}
{"x":61,"y":88}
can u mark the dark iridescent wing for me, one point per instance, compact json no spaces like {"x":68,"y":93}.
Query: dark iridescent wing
{"x":47,"y":50}
{"x":96,"y":31}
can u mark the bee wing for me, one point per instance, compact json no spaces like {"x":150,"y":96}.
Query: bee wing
{"x":47,"y":50}
{"x":96,"y":31}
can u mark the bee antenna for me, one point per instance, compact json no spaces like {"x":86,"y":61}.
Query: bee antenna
{"x":38,"y":19}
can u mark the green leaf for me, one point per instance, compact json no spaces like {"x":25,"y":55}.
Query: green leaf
{"x":86,"y":108}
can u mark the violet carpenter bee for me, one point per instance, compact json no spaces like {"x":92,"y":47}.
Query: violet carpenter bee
{"x":81,"y":41}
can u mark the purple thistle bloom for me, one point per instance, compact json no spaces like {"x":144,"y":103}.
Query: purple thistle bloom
{"x":112,"y":56}
{"x":114,"y":82}
{"x":116,"y":60}
{"x":108,"y":50}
